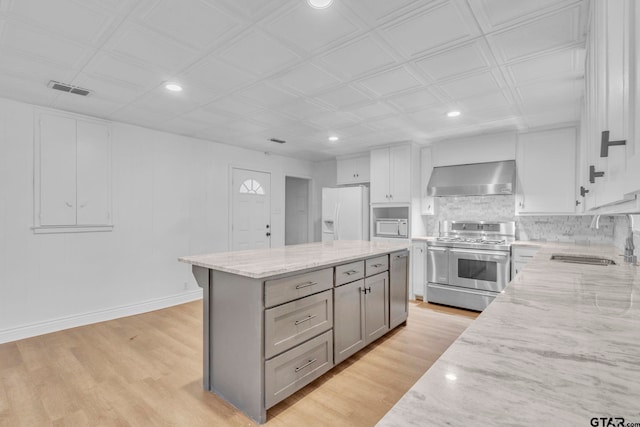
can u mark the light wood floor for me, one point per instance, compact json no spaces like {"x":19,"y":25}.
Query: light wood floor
{"x":146,"y":370}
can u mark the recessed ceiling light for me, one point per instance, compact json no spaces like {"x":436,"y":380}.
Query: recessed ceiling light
{"x":453,"y":113}
{"x":173,"y":87}
{"x":319,"y":4}
{"x":333,"y":138}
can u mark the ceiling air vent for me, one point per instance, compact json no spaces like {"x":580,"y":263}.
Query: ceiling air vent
{"x":279,"y":141}
{"x":64,"y":87}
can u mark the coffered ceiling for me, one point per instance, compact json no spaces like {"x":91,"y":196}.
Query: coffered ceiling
{"x":368,"y":71}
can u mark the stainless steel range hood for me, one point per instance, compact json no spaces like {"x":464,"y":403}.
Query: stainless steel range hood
{"x":477,"y":179}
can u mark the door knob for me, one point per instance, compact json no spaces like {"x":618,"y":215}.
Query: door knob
{"x":267,"y":225}
{"x":268,"y":234}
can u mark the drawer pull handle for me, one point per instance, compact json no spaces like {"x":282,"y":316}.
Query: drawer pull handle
{"x":377,"y":265}
{"x":306,"y":319}
{"x":401,"y":256}
{"x":310,"y":362}
{"x":306,"y":285}
{"x":350,"y":272}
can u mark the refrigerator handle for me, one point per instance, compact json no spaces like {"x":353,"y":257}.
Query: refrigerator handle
{"x":336,"y":225}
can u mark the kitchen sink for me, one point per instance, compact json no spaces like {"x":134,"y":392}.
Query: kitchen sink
{"x":583,"y":259}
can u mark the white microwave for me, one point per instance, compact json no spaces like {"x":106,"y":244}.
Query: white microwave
{"x":392,"y":227}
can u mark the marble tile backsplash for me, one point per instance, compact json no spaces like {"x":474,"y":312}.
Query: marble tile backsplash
{"x":621,"y":231}
{"x":502,"y":208}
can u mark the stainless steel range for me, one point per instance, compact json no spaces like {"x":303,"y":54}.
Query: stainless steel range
{"x":469,"y":264}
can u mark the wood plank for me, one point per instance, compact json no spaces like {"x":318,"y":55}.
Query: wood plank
{"x":147,"y":370}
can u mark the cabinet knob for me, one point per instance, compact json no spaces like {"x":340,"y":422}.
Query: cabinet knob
{"x":577,"y":203}
{"x":583,"y":191}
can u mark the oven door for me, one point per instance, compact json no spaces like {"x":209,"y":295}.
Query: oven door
{"x":479,"y":269}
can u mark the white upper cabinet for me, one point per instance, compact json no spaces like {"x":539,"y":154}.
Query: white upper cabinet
{"x":545,"y":164}
{"x":72,"y":174}
{"x":426,"y":167}
{"x":353,"y":170}
{"x":391,"y":174}
{"x":609,"y":140}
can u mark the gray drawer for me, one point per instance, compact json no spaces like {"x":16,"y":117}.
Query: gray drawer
{"x":376,"y":265}
{"x":349,"y":272}
{"x":287,"y":289}
{"x":289,"y":372}
{"x":292,"y":323}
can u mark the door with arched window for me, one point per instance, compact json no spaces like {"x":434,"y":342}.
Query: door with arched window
{"x":250,"y":209}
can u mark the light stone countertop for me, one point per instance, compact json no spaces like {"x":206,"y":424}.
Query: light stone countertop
{"x":559,"y":347}
{"x":261,"y":263}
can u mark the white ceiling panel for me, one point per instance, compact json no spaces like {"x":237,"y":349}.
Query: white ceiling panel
{"x":390,"y":82}
{"x":37,"y":43}
{"x":433,"y":27}
{"x":270,"y":119}
{"x":414,"y":100}
{"x":553,"y":66}
{"x":490,"y":100}
{"x":106,"y":89}
{"x":371,"y":111}
{"x":476,"y":84}
{"x":343,"y":97}
{"x":266,"y":94}
{"x":499,"y":12}
{"x":152,"y":48}
{"x":380,"y":11}
{"x":258,"y":54}
{"x":196,"y":23}
{"x":360,"y":57}
{"x":206,"y":117}
{"x":332,"y":120}
{"x":231,"y":105}
{"x":24,"y":66}
{"x":549,"y":32}
{"x":113,"y":68}
{"x":301,"y":109}
{"x":311,"y":29}
{"x":213,"y":73}
{"x":456,"y":61}
{"x":66,"y":17}
{"x":244,"y":127}
{"x":548,"y":93}
{"x":308,"y":79}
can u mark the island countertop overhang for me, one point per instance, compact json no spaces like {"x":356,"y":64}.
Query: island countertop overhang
{"x":269,"y":262}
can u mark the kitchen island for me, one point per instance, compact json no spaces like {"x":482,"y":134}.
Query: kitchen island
{"x":276,"y":319}
{"x":560,"y":346}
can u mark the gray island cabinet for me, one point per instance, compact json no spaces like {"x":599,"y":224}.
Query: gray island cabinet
{"x":276,"y":319}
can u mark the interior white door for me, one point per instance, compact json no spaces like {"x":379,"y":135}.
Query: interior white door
{"x":251,"y":215}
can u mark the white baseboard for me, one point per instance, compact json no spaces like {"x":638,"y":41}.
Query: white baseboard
{"x":40,"y":328}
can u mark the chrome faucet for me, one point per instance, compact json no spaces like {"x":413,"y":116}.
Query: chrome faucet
{"x":629,"y":247}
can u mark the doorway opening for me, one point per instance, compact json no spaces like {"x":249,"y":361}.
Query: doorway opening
{"x":297,"y":218}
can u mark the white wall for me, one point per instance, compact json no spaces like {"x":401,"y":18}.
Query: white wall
{"x":475,"y":149}
{"x":170,"y":198}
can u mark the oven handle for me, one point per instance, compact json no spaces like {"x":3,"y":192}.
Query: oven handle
{"x":480,"y":252}
{"x":437,"y":248}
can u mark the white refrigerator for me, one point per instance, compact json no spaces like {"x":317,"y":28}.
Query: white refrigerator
{"x":345,"y":213}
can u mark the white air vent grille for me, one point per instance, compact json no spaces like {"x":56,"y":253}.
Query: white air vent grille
{"x":64,"y":87}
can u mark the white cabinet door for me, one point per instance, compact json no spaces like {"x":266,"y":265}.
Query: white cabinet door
{"x":426,"y":167}
{"x":353,"y":170}
{"x":400,"y":174}
{"x":380,"y":172}
{"x":93,"y":174}
{"x":57,"y":183}
{"x":546,"y":172}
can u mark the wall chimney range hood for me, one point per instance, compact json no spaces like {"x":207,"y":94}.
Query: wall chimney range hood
{"x":476,"y":179}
